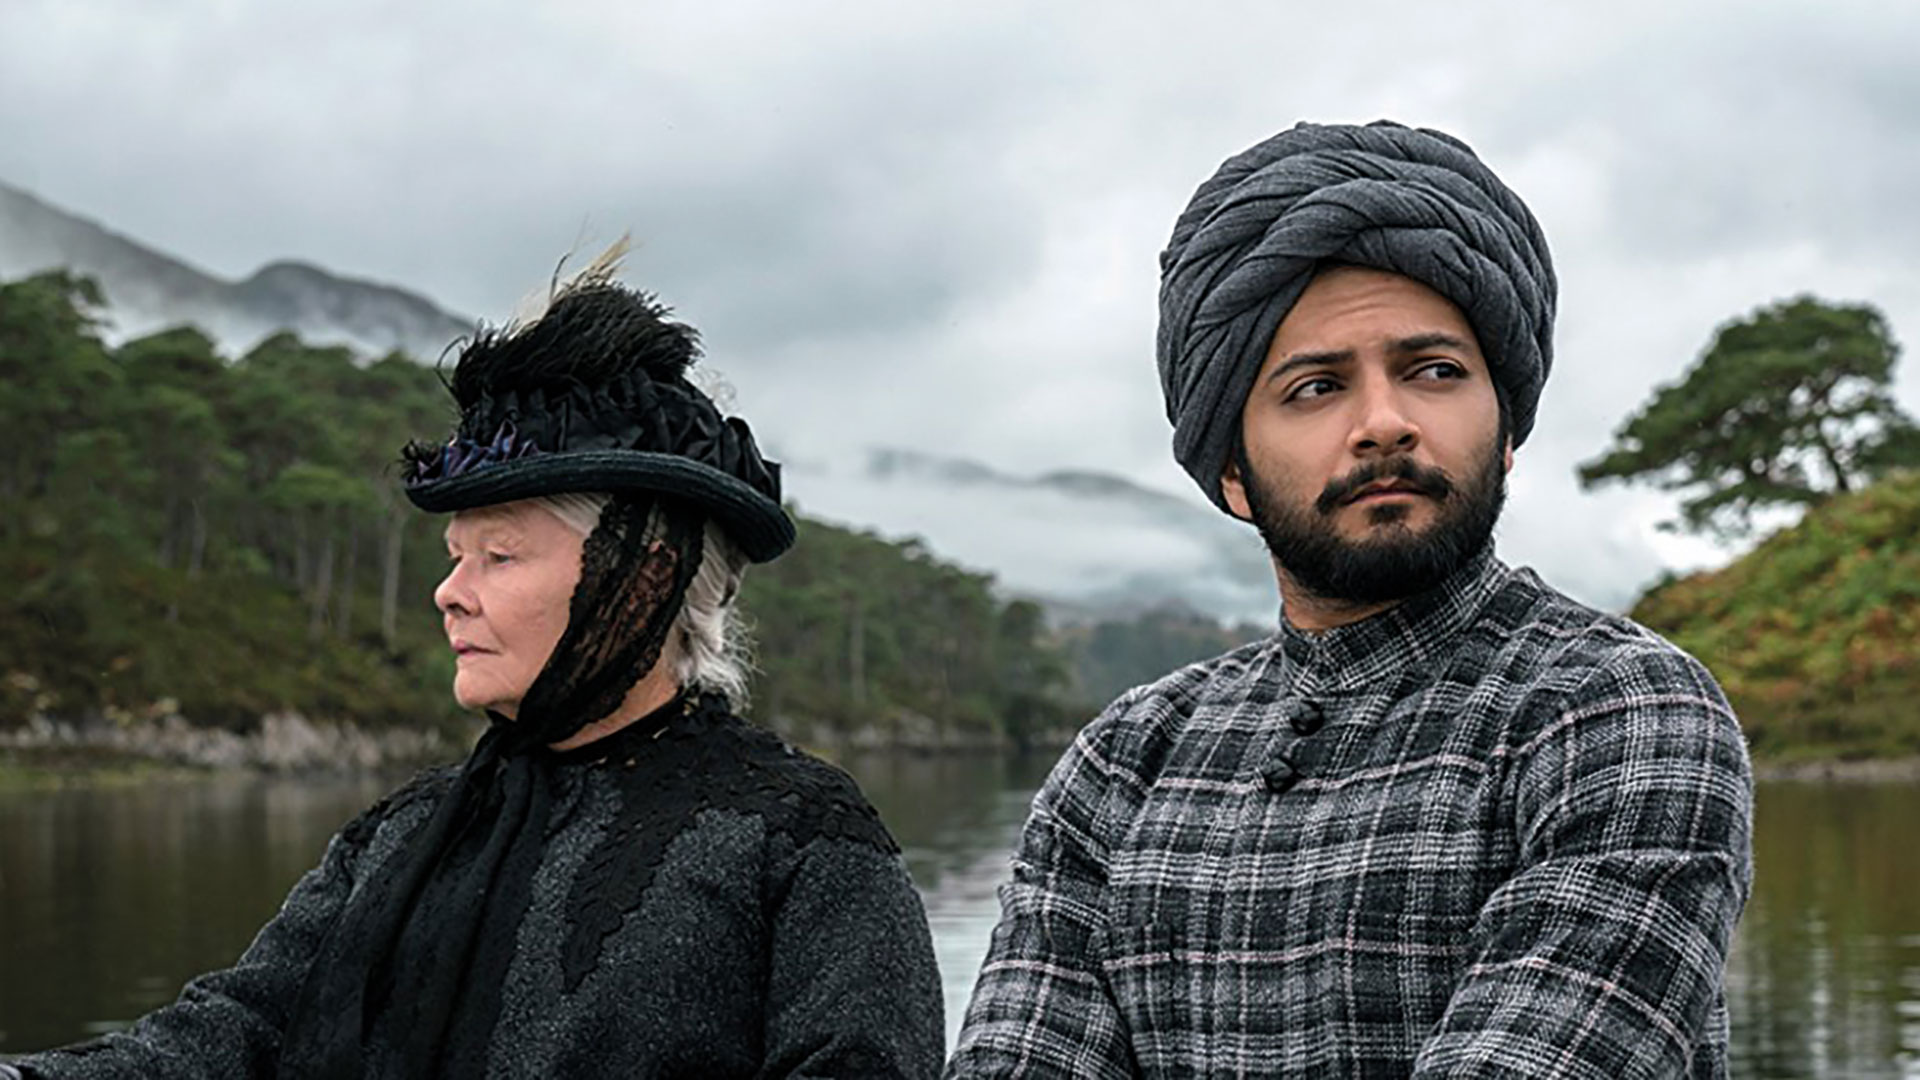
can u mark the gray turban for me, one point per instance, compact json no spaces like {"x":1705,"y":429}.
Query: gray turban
{"x":1410,"y":201}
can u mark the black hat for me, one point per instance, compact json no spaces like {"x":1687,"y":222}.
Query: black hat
{"x":592,"y":396}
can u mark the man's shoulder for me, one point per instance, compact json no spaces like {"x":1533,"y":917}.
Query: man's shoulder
{"x":1180,"y":689}
{"x":1560,"y":633}
{"x":1156,"y":712}
{"x":1578,"y":653}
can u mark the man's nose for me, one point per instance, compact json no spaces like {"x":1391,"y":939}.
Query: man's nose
{"x":1383,"y":426}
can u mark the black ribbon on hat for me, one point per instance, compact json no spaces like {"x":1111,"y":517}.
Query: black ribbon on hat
{"x":630,"y":412}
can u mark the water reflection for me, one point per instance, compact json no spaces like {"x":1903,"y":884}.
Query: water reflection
{"x":1824,"y":980}
{"x":956,"y":819}
{"x":111,"y":897}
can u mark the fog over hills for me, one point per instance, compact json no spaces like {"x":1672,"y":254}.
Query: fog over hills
{"x":1087,"y":544}
{"x":149,"y":290}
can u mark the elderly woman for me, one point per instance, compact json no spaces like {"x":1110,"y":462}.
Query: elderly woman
{"x":624,"y":878}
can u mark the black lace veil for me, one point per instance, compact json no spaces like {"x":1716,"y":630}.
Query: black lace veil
{"x":416,"y":961}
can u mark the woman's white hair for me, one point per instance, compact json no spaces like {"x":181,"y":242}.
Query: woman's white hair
{"x":709,"y":644}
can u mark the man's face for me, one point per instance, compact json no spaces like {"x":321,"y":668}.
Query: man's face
{"x":1374,"y":461}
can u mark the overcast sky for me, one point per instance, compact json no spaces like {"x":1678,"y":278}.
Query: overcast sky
{"x":935,"y":226}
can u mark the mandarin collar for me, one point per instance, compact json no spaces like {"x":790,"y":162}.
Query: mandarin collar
{"x":1374,"y":651}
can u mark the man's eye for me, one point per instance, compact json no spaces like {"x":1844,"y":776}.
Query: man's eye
{"x":498,"y":557}
{"x":1313,"y":388}
{"x":1444,"y":369}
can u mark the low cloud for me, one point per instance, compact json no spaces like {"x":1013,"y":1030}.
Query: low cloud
{"x":937,"y":227}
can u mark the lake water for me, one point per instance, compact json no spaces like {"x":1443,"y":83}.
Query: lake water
{"x":111,"y":897}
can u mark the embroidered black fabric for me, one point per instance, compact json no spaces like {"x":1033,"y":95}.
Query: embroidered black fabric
{"x":417,"y":961}
{"x":702,"y":758}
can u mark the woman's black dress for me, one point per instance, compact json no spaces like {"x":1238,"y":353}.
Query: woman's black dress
{"x":711,"y":903}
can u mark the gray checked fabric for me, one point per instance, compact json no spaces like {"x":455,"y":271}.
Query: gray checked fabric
{"x":1489,"y":833}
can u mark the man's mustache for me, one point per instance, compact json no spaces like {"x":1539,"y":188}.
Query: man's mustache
{"x":1431,"y":482}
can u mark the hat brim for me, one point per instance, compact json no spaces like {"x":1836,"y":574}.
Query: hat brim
{"x":755,"y":522}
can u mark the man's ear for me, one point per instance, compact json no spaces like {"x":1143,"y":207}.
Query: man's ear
{"x":1508,"y":456}
{"x":1233,"y":489}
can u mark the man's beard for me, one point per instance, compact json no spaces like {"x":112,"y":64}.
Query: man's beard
{"x":1394,"y":562}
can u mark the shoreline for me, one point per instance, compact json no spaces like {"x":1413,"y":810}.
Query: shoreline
{"x":1900,"y":770}
{"x":282,"y":743}
{"x":290,"y":743}
{"x":44,"y":765}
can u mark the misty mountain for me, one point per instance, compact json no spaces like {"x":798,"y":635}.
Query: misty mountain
{"x":148,"y":290}
{"x":1089,"y":545}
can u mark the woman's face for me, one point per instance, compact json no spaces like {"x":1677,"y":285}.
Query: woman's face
{"x":504,"y":602}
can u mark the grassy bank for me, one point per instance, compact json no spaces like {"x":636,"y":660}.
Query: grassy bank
{"x":46,"y":770}
{"x":1815,"y":634}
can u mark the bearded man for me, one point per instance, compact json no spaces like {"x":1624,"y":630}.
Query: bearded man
{"x":1447,"y":821}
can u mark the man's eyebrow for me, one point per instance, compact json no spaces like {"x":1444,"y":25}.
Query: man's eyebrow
{"x":1435,"y":340}
{"x":1297,"y":361}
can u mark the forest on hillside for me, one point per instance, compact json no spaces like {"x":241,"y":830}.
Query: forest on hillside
{"x":1815,"y":634}
{"x":220,"y":539}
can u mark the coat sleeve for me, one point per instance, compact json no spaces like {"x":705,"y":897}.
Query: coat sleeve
{"x":1041,"y":1006}
{"x":1602,"y":957}
{"x":853,"y":990}
{"x":226,"y":1023}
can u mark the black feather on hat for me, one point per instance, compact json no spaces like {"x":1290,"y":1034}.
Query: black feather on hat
{"x":590,"y":396}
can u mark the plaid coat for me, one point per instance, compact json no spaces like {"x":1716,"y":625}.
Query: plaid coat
{"x":1490,"y":832}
